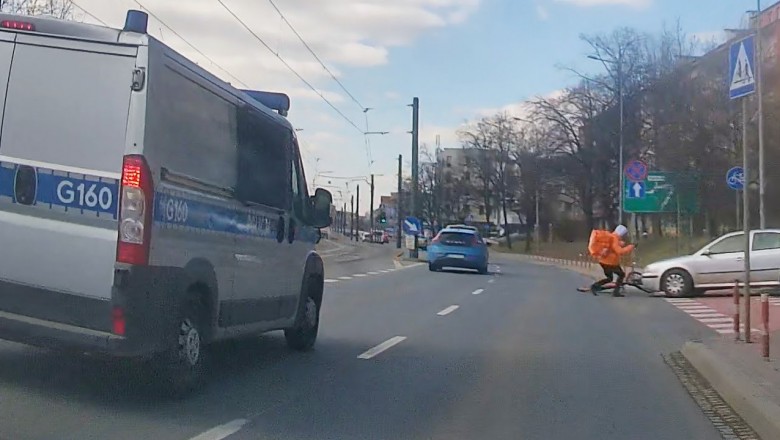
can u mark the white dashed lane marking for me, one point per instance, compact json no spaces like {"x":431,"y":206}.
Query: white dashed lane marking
{"x":710,"y":317}
{"x":360,"y":275}
{"x":331,"y":281}
{"x":373,"y":273}
{"x":222,"y":431}
{"x":345,"y":278}
{"x":477,"y":292}
{"x":491,"y":281}
{"x":448,"y":310}
{"x":395,"y":340}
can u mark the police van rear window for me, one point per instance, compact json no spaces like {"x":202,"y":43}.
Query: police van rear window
{"x":67,"y":107}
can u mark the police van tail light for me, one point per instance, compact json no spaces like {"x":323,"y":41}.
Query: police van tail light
{"x":135,"y":211}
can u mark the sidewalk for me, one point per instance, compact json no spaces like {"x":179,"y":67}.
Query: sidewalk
{"x":743,"y":378}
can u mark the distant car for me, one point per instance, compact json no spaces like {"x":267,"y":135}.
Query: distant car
{"x":459,"y":248}
{"x":717,"y":265}
{"x":380,"y":237}
{"x":466,"y":227}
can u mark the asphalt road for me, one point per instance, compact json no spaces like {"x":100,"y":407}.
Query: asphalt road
{"x":526,"y":357}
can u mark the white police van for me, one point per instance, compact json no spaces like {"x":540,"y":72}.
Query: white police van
{"x":147,"y":208}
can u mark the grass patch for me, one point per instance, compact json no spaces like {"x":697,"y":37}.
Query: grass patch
{"x":648,"y":251}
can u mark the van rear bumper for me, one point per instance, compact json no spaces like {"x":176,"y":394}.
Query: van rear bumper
{"x":48,"y":334}
{"x":46,"y":318}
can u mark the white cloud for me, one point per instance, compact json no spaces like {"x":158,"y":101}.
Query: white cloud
{"x":346,"y":34}
{"x":542,"y":13}
{"x":449,"y":134}
{"x":588,"y":3}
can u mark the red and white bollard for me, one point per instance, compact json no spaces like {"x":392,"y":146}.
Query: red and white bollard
{"x":765,"y":325}
{"x":736,"y":310}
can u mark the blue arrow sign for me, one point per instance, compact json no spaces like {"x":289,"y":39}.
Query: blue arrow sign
{"x":735,"y":178}
{"x":412,"y":226}
{"x":741,"y":79}
{"x":636,"y":190}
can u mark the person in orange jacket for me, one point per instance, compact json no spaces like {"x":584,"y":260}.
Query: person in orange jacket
{"x":608,"y":249}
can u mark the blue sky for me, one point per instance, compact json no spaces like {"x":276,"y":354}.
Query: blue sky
{"x":462,"y":58}
{"x":505,"y":53}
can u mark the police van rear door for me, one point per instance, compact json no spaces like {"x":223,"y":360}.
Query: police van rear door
{"x":62,"y":140}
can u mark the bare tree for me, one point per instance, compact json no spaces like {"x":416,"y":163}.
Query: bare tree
{"x":56,"y":8}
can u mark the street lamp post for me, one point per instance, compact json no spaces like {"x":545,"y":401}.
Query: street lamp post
{"x":619,"y":71}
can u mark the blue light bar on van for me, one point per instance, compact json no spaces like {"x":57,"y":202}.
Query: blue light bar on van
{"x":136,"y":21}
{"x":273,"y":100}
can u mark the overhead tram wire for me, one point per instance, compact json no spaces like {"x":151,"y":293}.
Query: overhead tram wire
{"x":200,"y":52}
{"x":314,"y":54}
{"x":91,"y":15}
{"x":367,"y":140}
{"x":290,"y":68}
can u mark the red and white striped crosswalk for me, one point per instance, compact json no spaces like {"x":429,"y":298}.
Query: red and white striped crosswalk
{"x":707,"y":315}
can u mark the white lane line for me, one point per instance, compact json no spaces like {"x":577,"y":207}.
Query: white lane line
{"x":360,"y":275}
{"x":477,"y":292}
{"x":723,"y":325}
{"x":345,"y":278}
{"x":692,"y":306}
{"x":679,"y":300}
{"x":221,"y":431}
{"x":491,"y":281}
{"x":448,"y":310}
{"x":384,"y":271}
{"x":373,"y":273}
{"x":331,"y":281}
{"x":725,"y":331}
{"x":395,"y":340}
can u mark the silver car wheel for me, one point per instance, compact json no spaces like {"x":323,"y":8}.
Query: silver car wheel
{"x":675,"y":284}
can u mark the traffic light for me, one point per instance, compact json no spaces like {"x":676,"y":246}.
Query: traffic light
{"x":382,"y":217}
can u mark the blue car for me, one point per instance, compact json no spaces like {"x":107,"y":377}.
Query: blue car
{"x":459,"y":248}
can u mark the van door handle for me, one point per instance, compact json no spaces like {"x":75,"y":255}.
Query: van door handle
{"x":280,"y":230}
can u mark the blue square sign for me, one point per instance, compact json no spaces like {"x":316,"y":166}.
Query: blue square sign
{"x":635,"y":190}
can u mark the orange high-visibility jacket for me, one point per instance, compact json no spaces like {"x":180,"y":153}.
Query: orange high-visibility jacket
{"x":606,"y":247}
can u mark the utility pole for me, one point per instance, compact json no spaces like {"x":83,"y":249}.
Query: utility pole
{"x":357,"y":211}
{"x":371,"y":208}
{"x":746,"y":217}
{"x":344,"y":219}
{"x":759,"y":80}
{"x":620,"y":93}
{"x":398,"y":211}
{"x":352,"y":214}
{"x":415,"y":209}
{"x":415,"y":153}
{"x":536,"y":225}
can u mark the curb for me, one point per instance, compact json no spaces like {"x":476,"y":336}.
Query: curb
{"x":737,"y":389}
{"x":583,"y":267}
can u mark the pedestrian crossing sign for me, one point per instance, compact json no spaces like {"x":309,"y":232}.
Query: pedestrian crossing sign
{"x":742,"y":80}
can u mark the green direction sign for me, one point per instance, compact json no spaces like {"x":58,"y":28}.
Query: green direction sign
{"x":660,"y":192}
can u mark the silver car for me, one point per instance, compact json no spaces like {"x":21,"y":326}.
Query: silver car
{"x":717,"y":265}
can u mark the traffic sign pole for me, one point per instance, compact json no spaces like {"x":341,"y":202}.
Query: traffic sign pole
{"x":759,"y":97}
{"x":746,"y":217}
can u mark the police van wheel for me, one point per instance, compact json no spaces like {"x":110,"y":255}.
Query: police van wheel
{"x":303,"y":334}
{"x":184,"y":363}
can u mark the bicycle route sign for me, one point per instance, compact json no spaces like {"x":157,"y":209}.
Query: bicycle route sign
{"x":735,"y":178}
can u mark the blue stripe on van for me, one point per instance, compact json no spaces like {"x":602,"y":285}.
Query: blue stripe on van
{"x":174,"y":210}
{"x":79,"y":193}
